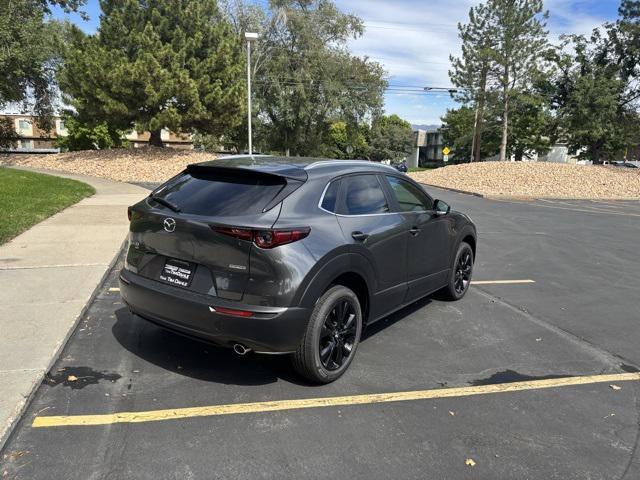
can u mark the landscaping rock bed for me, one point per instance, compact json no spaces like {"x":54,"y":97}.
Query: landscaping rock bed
{"x":125,"y":165}
{"x":536,"y":180}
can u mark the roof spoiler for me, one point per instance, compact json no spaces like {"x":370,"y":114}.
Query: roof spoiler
{"x":289,"y":172}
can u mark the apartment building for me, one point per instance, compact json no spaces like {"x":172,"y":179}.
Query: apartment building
{"x":30,"y":138}
{"x":427,"y":148}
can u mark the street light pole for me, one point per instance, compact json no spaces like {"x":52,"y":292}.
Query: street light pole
{"x":250,"y":36}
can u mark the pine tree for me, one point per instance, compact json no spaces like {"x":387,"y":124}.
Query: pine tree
{"x":521,"y":43}
{"x":158,"y":64}
{"x":471,"y":71}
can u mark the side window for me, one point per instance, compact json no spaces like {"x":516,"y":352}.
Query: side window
{"x":408,"y":196}
{"x":331,"y":196}
{"x":363,"y":195}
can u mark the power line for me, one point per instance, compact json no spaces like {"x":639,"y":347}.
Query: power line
{"x":453,"y":28}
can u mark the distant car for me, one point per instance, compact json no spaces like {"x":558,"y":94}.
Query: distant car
{"x":625,"y":164}
{"x":291,"y":255}
{"x":401,"y":167}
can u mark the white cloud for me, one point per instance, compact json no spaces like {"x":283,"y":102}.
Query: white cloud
{"x":413,"y":40}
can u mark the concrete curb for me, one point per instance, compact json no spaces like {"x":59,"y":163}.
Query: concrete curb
{"x":47,"y":249}
{"x":526,"y":198}
{"x":465,"y":192}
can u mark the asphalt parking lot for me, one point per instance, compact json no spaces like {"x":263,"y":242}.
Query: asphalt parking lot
{"x":573,"y":311}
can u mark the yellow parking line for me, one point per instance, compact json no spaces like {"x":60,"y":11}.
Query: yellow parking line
{"x":297,"y":404}
{"x":501,"y":282}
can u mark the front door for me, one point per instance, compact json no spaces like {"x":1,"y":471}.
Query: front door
{"x":427,"y":239}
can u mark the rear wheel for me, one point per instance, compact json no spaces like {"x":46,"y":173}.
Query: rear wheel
{"x":332,"y":337}
{"x":461,"y":272}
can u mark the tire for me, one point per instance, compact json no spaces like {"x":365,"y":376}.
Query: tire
{"x":316,"y":359}
{"x":461,"y":273}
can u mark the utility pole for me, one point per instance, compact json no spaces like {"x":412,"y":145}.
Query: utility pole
{"x":251,"y":37}
{"x":475,"y":134}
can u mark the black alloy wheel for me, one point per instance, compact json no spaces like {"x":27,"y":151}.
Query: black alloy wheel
{"x":338,"y":335}
{"x":464,"y":267}
{"x":332,"y":337}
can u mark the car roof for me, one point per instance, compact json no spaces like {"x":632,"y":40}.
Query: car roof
{"x":299,"y":168}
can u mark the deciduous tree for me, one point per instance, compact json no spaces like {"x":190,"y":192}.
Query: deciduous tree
{"x":82,"y":136}
{"x":391,"y":138}
{"x":29,"y":54}
{"x":305,"y":76}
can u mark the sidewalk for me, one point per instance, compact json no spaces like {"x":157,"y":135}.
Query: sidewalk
{"x":48,"y":275}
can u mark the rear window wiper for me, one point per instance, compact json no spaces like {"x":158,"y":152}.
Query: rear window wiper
{"x":166,"y":203}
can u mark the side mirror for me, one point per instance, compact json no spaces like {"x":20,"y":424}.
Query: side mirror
{"x":441,"y":207}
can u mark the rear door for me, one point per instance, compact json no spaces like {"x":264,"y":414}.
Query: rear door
{"x":375,"y":231}
{"x":428,"y":238}
{"x":184,"y":248}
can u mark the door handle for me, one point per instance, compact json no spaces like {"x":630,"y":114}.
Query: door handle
{"x":359,"y":236}
{"x":415,"y":231}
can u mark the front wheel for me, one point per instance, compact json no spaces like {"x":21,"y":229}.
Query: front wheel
{"x":460,"y":277}
{"x":332,"y":337}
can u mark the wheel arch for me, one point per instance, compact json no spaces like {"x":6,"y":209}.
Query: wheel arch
{"x":350,"y":270}
{"x":358,"y":285}
{"x":468,"y":235}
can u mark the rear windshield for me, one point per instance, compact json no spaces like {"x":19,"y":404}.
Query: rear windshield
{"x":221,"y":193}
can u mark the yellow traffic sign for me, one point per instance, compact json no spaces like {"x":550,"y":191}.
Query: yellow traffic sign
{"x":446,"y":151}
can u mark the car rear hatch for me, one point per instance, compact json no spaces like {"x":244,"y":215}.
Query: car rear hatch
{"x":186,"y":232}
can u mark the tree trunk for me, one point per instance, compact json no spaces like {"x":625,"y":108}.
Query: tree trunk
{"x":287,"y":150}
{"x":505,"y":128}
{"x":155,"y":139}
{"x":519,"y":154}
{"x":477,"y":138}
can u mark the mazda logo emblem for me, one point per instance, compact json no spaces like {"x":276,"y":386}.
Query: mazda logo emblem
{"x":169,"y":224}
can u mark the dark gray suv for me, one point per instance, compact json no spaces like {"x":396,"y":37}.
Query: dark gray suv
{"x":291,"y":255}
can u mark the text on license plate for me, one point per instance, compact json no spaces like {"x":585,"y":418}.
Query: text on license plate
{"x":177,"y":273}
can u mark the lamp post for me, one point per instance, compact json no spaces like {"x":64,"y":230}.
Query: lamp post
{"x":251,"y":37}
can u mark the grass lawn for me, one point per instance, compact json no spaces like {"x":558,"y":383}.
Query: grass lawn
{"x":27,"y":198}
{"x":420,"y":169}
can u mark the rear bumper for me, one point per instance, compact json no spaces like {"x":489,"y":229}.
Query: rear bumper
{"x":268,"y":330}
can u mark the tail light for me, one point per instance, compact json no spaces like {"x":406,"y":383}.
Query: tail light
{"x":265,"y":238}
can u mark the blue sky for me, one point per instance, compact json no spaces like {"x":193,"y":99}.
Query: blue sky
{"x":414,"y":38}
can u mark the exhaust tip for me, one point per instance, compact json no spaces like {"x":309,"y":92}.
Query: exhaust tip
{"x":241,"y":349}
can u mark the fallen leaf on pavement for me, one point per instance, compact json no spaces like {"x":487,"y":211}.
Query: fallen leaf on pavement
{"x":452,"y":413}
{"x":470,"y":462}
{"x":15,"y":455}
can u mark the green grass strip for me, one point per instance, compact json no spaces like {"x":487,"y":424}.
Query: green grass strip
{"x":27,"y":198}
